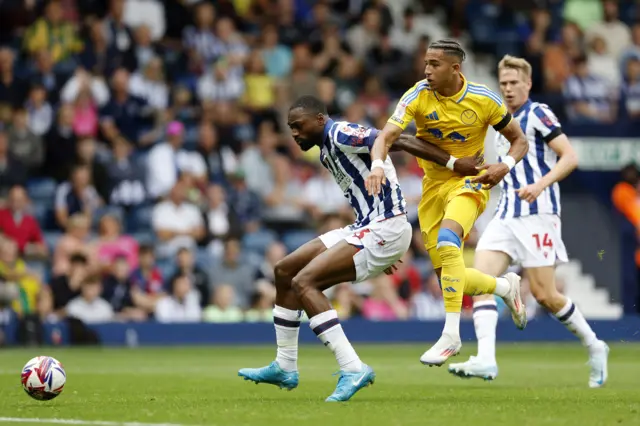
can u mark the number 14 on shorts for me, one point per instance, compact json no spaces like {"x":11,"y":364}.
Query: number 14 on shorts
{"x":542,"y":241}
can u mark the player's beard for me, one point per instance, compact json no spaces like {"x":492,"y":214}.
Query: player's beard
{"x":306,"y":144}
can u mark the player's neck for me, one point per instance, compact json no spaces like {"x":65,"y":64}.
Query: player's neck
{"x":456,"y":87}
{"x":517,"y":108}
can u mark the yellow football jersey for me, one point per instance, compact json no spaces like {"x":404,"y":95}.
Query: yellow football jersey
{"x":457,"y":124}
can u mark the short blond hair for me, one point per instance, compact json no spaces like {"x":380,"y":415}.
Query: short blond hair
{"x":514,"y":63}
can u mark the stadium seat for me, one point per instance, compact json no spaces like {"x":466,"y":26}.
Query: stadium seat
{"x":258,"y":242}
{"x":51,"y":238}
{"x":41,"y":190}
{"x":294,"y":239}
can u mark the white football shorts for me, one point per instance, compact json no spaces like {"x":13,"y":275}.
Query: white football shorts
{"x":382,"y":243}
{"x":531,"y":241}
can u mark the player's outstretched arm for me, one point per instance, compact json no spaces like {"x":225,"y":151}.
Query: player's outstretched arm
{"x":466,"y":166}
{"x":386,"y":137}
{"x":519,"y":147}
{"x":567,"y":162}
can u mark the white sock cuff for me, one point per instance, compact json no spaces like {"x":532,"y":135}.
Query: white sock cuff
{"x":286,"y":314}
{"x":481,"y":303}
{"x":324,"y":321}
{"x":566,"y":311}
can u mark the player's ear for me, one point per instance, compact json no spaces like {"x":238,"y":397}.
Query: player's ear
{"x":320,"y":119}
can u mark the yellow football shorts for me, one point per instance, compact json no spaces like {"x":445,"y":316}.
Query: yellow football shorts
{"x":457,"y":199}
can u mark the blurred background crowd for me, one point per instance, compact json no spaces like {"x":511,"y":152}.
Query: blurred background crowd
{"x":146,"y":170}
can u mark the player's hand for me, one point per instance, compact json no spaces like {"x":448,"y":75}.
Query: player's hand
{"x":494,"y":174}
{"x":391,"y":269}
{"x":530,"y":192}
{"x":468,"y":166}
{"x":374,"y":181}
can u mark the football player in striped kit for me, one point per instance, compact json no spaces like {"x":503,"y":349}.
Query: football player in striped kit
{"x":379,"y":237}
{"x":526,"y":228}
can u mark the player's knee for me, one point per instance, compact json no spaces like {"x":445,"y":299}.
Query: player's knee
{"x":544,"y":296}
{"x":300,"y":282}
{"x":448,"y":238}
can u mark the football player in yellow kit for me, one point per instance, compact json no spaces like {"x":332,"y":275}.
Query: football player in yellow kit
{"x":454,"y":114}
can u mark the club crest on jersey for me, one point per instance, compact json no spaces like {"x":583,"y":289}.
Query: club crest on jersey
{"x":468,"y":117}
{"x":470,"y":185}
{"x":357,"y":133}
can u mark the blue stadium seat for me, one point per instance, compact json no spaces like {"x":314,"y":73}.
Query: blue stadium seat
{"x":294,"y":239}
{"x":51,"y":238}
{"x":41,"y":191}
{"x":258,"y":242}
{"x":144,"y":237}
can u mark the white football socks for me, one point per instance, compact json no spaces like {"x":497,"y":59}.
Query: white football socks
{"x":287,"y":325}
{"x":452,"y":325}
{"x":485,"y":321}
{"x":572,"y":318}
{"x":502,"y":287}
{"x":328,"y":329}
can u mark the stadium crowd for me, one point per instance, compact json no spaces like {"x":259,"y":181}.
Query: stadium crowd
{"x":146,"y":170}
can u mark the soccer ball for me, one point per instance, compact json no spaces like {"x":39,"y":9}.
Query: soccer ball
{"x":43,"y":378}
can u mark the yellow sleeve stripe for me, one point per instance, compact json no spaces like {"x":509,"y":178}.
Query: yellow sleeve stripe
{"x":484,"y":91}
{"x":409,"y":97}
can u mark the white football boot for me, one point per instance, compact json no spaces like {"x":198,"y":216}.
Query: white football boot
{"x":439,"y":353}
{"x":514,"y":301}
{"x":474,"y":367}
{"x":598,"y":360}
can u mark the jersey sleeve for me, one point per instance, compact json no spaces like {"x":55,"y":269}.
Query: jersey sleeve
{"x":407,"y":107}
{"x":350,"y":137}
{"x":497,"y":114}
{"x":546,"y":123}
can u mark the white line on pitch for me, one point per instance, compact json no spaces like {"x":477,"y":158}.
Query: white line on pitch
{"x":80,"y":422}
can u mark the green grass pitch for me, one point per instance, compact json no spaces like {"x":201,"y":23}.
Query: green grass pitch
{"x":541,"y":384}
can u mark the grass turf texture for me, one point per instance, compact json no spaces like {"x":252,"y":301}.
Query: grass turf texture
{"x":541,"y":384}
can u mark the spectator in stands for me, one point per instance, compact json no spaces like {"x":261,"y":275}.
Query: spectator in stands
{"x":124,"y":113}
{"x":167,"y":161}
{"x":386,"y":61}
{"x":222,"y":308}
{"x":631,"y":52}
{"x":66,"y":286}
{"x":52,"y":33}
{"x":89,"y":307}
{"x":603,"y":64}
{"x":235,"y":272}
{"x":346,"y":301}
{"x":559,"y":58}
{"x":60,"y":146}
{"x":383,"y":304}
{"x":589,"y":98}
{"x":259,"y":88}
{"x":303,"y":77}
{"x":365,"y":35}
{"x":274,"y":253}
{"x":12,"y":89}
{"x":117,"y":290}
{"x":186,"y":266}
{"x":277,"y":57}
{"x":406,"y":279}
{"x":410,"y":183}
{"x":219,"y":84}
{"x":24,"y":145}
{"x":87,"y":155}
{"x":176,"y":223}
{"x":77,"y":195}
{"x":199,"y":39}
{"x":101,"y":58}
{"x":631,"y":89}
{"x":119,"y":34}
{"x":125,"y":176}
{"x":146,"y":12}
{"x":261,"y":309}
{"x":428,"y":305}
{"x":148,"y":278}
{"x":111,"y":244}
{"x":145,"y":49}
{"x":375,"y":100}
{"x":220,"y":160}
{"x":40,"y":111}
{"x":12,"y":171}
{"x":19,"y":225}
{"x":244,"y":202}
{"x":149,"y":84}
{"x":182,"y":305}
{"x":406,"y":36}
{"x":75,"y":240}
{"x":13,"y":269}
{"x":45,"y":75}
{"x":220,"y":219}
{"x":615,"y":32}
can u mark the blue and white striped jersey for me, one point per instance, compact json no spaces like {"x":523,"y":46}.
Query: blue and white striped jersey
{"x":346,"y":153}
{"x":540,"y":126}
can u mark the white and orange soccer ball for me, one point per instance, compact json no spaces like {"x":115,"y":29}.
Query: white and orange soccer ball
{"x":43,"y":378}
